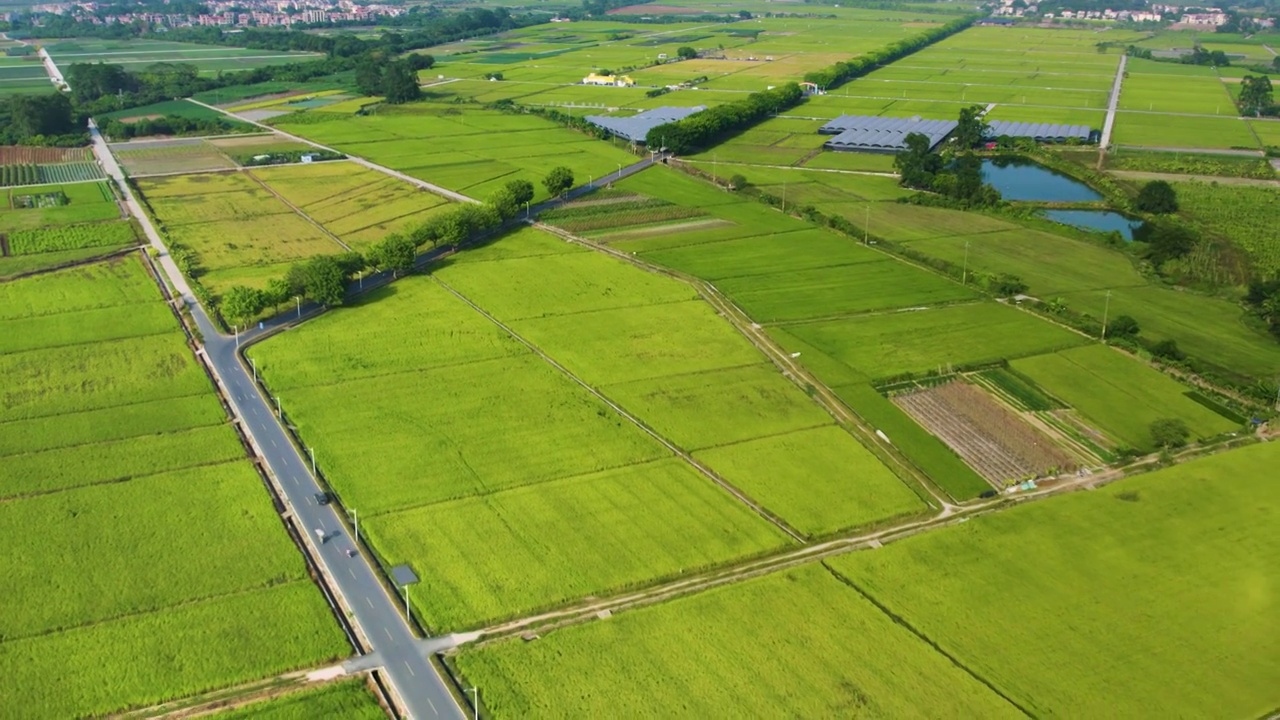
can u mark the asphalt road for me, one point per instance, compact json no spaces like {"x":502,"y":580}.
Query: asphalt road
{"x":378,"y":615}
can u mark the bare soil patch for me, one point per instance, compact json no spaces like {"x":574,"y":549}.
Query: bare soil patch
{"x":991,"y":438}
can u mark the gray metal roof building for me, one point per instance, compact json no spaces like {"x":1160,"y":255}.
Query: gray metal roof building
{"x":1040,"y":132}
{"x":636,"y":127}
{"x":882,"y":133}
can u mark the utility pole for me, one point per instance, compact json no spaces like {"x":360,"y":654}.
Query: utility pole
{"x":279,"y":412}
{"x":407,"y":619}
{"x":964,"y":275}
{"x":254,"y":363}
{"x":356,"y":520}
{"x":715,"y":166}
{"x":866,"y":227}
{"x":299,"y":299}
{"x":237,"y":329}
{"x":1106,"y":309}
{"x":784,"y":197}
{"x":312,"y":453}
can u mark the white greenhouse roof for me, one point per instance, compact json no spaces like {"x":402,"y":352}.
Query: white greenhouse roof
{"x":636,"y":127}
{"x":1042,"y":132}
{"x":882,"y":133}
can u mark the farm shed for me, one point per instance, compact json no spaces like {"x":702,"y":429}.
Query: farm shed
{"x":636,"y":127}
{"x":1040,"y":132}
{"x":882,"y":134}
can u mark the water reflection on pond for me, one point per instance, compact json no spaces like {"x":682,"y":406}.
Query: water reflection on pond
{"x":1024,"y":180}
{"x":1096,"y":220}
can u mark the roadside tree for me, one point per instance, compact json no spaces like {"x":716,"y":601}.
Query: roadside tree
{"x":558,"y":181}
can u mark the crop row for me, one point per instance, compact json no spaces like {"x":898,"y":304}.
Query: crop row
{"x":71,"y":237}
{"x":643,"y":216}
{"x":31,"y":174}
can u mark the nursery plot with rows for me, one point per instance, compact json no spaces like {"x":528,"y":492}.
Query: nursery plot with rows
{"x":134,"y":519}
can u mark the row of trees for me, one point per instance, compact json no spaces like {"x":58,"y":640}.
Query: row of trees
{"x":713,"y":124}
{"x":394,"y":80}
{"x":841,"y":72}
{"x":324,"y":279}
{"x":168,"y":125}
{"x":40,"y":119}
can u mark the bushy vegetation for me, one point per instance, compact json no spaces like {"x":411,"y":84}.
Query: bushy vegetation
{"x":71,"y":237}
{"x":715,"y":123}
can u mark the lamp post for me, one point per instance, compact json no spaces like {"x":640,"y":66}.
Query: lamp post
{"x":356,"y":520}
{"x":299,"y":299}
{"x":1106,"y":310}
{"x":475,"y":704}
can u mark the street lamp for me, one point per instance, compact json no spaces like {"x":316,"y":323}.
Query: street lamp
{"x":475,"y":705}
{"x":356,"y":520}
{"x":299,"y":299}
{"x":407,"y":618}
{"x":312,"y":453}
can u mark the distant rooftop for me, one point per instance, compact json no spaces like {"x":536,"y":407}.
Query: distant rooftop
{"x":636,"y":127}
{"x":863,"y":132}
{"x":1041,"y":132}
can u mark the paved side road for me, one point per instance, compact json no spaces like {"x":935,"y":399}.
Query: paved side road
{"x":377,"y":616}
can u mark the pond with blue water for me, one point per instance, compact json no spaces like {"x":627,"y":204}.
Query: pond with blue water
{"x":1096,"y":221}
{"x":1026,"y":181}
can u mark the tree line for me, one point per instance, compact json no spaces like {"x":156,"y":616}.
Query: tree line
{"x":841,"y":72}
{"x":324,"y":279}
{"x":714,"y":124}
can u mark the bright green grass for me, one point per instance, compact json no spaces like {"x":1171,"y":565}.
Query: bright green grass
{"x":110,"y":423}
{"x":764,"y":254}
{"x":562,"y":284}
{"x":99,"y":285}
{"x":1101,"y":604}
{"x":636,"y":343}
{"x":53,"y":380}
{"x":800,"y":640}
{"x":458,"y":431}
{"x":116,"y":322}
{"x":888,"y":344}
{"x":412,"y":325}
{"x":1050,"y":264}
{"x":1208,"y":328}
{"x":513,"y":552}
{"x":818,"y":480}
{"x":1147,"y":130}
{"x":830,"y":291}
{"x":702,"y":410}
{"x":203,"y":532}
{"x":932,"y":456}
{"x":172,"y":654}
{"x":347,"y":699}
{"x":117,"y":460}
{"x":1119,"y":394}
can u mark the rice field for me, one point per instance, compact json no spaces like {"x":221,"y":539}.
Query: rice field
{"x":1120,"y":395}
{"x":800,"y":640}
{"x":109,"y":427}
{"x":472,"y":151}
{"x":1175,"y":562}
{"x":237,"y":229}
{"x":137,"y":53}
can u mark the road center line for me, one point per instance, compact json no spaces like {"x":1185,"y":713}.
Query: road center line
{"x":369,"y":601}
{"x":411,"y":672}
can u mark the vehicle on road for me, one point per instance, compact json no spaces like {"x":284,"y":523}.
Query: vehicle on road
{"x":322,"y":498}
{"x":320,"y":535}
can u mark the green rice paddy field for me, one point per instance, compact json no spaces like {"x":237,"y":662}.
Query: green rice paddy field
{"x":463,"y":148}
{"x":1119,"y":395}
{"x":641,"y":513}
{"x":1096,"y":603}
{"x":108,"y":546}
{"x":243,"y":227}
{"x":137,"y":53}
